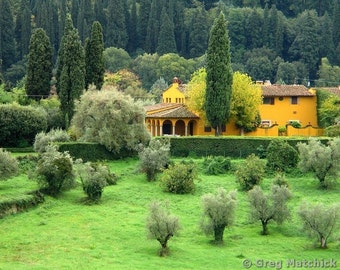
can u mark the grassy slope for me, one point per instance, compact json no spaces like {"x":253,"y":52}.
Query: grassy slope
{"x":64,"y":234}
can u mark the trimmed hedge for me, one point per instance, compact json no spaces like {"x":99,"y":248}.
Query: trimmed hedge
{"x":92,"y":151}
{"x":20,"y":203}
{"x":230,"y":146}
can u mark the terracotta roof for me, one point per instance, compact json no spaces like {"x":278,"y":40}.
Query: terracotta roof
{"x":160,"y":106}
{"x":333,"y":90}
{"x":178,"y":112}
{"x":279,"y":90}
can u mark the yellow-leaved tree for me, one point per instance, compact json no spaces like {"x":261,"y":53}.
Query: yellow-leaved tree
{"x":196,"y":93}
{"x":245,"y":101}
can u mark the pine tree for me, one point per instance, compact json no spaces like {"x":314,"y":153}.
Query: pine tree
{"x":39,"y":66}
{"x":94,"y":60}
{"x":166,"y":38}
{"x":7,"y":36}
{"x":116,"y":35}
{"x":72,"y":75}
{"x":219,"y":76}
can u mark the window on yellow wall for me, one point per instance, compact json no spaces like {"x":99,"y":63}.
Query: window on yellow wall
{"x":268,"y":100}
{"x":207,"y":129}
{"x":294,"y":100}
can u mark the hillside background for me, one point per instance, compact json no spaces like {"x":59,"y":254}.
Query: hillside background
{"x":284,"y":41}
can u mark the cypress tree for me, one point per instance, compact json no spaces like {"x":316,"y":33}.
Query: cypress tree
{"x":72,"y":75}
{"x":132,"y":29}
{"x":199,"y":33}
{"x":23,"y":29}
{"x":94,"y":60}
{"x":143,"y":18}
{"x":152,"y":32}
{"x":7,"y":35}
{"x":166,"y":38}
{"x":39,"y":66}
{"x":116,"y":35}
{"x":219,"y":76}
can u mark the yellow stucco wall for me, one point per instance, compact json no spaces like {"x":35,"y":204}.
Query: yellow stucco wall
{"x":282,"y":111}
{"x":173,"y":94}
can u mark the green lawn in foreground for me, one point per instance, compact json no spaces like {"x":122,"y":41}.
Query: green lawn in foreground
{"x":65,"y":234}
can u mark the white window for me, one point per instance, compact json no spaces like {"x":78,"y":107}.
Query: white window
{"x":266,"y":123}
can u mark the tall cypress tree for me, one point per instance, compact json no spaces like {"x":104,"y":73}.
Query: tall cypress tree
{"x":23,"y":29}
{"x":72,"y":76}
{"x":219,"y":76}
{"x":116,"y":35}
{"x":166,"y":38}
{"x":7,"y":36}
{"x":143,"y":18}
{"x":132,"y":29}
{"x":39,"y":66}
{"x":94,"y":60}
{"x":199,"y":33}
{"x":152,"y":32}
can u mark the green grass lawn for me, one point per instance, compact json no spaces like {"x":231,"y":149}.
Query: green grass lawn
{"x":64,"y":233}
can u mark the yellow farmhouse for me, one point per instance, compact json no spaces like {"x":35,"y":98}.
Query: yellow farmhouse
{"x":282,"y":105}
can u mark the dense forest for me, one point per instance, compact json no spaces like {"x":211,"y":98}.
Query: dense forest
{"x":286,"y":41}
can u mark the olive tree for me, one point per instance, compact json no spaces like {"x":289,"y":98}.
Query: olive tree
{"x":320,"y":159}
{"x":161,"y":225}
{"x":8,"y":165}
{"x":110,"y":118}
{"x":218,"y":213}
{"x":155,"y":157}
{"x":320,"y":220}
{"x":269,"y":207}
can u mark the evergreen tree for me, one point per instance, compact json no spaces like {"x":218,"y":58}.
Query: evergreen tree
{"x":153,"y":26}
{"x":72,"y":75}
{"x":116,"y":35}
{"x":7,"y":36}
{"x":143,"y":18}
{"x":166,"y":38}
{"x":132,"y":29}
{"x":23,"y":29}
{"x":199,"y":33}
{"x":326,"y":38}
{"x":99,"y":14}
{"x":180,"y":29}
{"x":39,"y":66}
{"x":94,"y":60}
{"x":219,"y":76}
{"x":336,"y":23}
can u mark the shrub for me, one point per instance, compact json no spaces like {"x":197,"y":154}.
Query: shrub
{"x":333,"y":131}
{"x":295,"y":124}
{"x":281,"y":156}
{"x":20,"y":124}
{"x":94,"y":177}
{"x":179,"y":178}
{"x":250,"y":172}
{"x":27,"y":163}
{"x":155,"y":157}
{"x":280,"y":180}
{"x":55,"y":171}
{"x":161,"y":225}
{"x":42,"y":139}
{"x":320,"y":220}
{"x":214,"y":165}
{"x":8,"y":165}
{"x":218,"y":213}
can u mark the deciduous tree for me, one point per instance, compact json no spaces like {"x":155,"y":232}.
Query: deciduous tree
{"x":271,"y":207}
{"x":162,"y":225}
{"x":218,"y":213}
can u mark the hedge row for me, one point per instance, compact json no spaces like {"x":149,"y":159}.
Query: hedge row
{"x":20,"y":203}
{"x":235,"y":147}
{"x":91,"y":151}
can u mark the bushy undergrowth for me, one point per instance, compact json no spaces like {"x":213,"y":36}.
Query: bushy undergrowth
{"x":281,"y":156}
{"x":214,"y":165}
{"x":55,"y":171}
{"x":94,"y":177}
{"x":8,"y":165}
{"x":43,"y":139}
{"x":250,"y":172}
{"x":179,"y":178}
